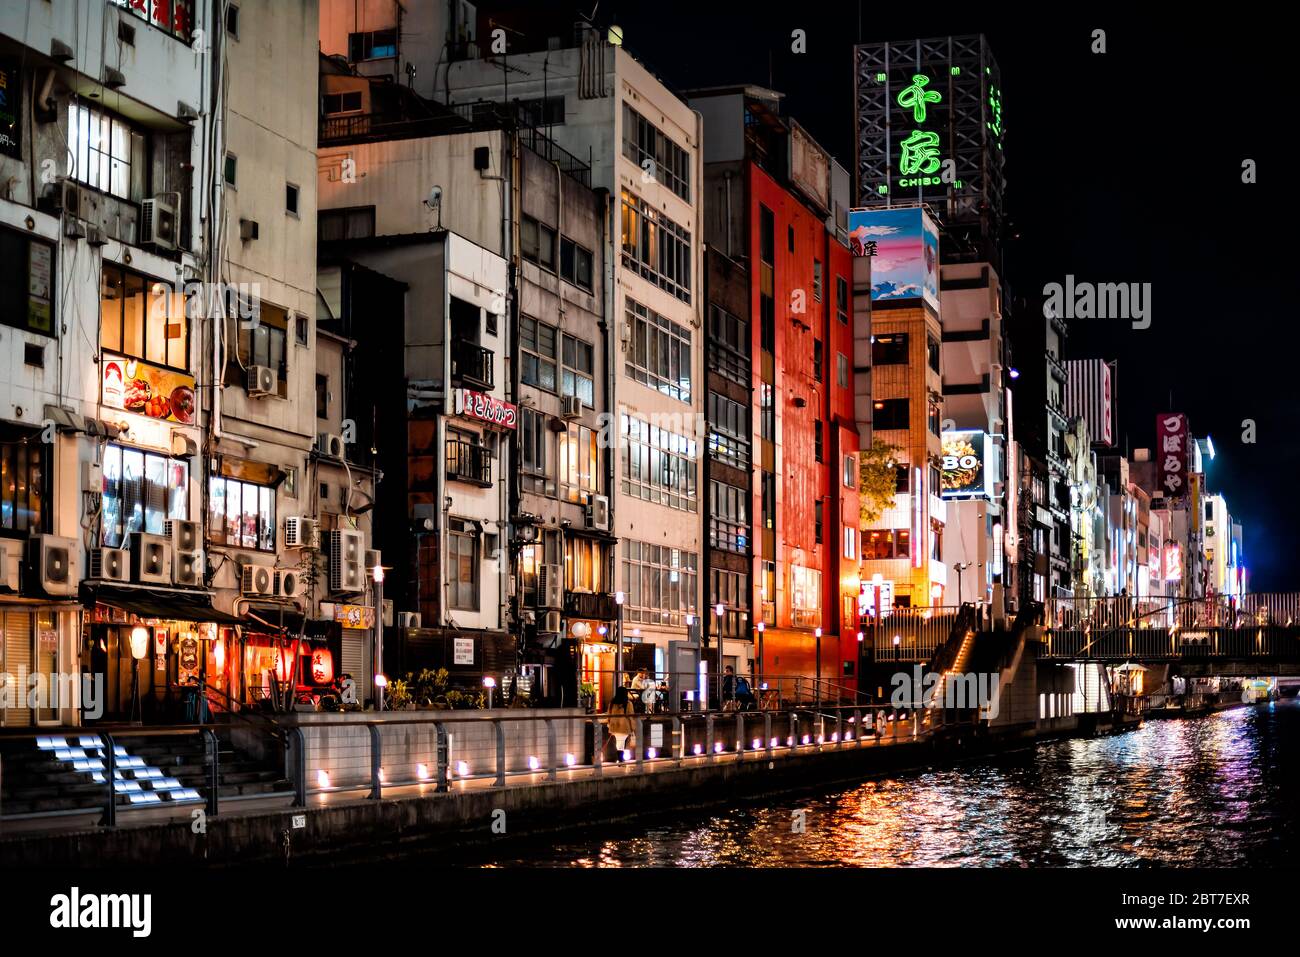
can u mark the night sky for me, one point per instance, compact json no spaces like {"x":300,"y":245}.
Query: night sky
{"x":1121,"y":167}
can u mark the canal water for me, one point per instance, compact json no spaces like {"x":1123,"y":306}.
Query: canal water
{"x":1222,"y":790}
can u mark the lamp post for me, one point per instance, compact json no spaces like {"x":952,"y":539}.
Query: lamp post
{"x":619,"y":598}
{"x":719,"y":610}
{"x":378,"y":575}
{"x":760,"y":628}
{"x":140,"y":648}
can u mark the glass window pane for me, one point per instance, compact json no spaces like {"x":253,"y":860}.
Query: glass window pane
{"x":155,"y":336}
{"x":249,"y":527}
{"x":132,"y":491}
{"x":178,"y":492}
{"x":110,"y":309}
{"x":156,"y":493}
{"x":111,"y":519}
{"x":234,"y":512}
{"x":217,"y":509}
{"x":266,"y":518}
{"x":133,"y":315}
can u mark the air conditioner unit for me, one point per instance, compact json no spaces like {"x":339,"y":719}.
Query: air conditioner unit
{"x":550,"y":586}
{"x":95,"y":236}
{"x":571,"y":407}
{"x":261,"y":381}
{"x":74,"y":228}
{"x":151,"y":558}
{"x":286,"y":584}
{"x":184,"y":535}
{"x":187,"y":567}
{"x":330,"y":444}
{"x":346,"y":548}
{"x":11,"y":559}
{"x":300,"y":531}
{"x":552,"y":623}
{"x":256,"y":580}
{"x":55,"y":561}
{"x":598,"y":513}
{"x":408,"y":619}
{"x":110,"y":564}
{"x":157,"y":224}
{"x":247,"y":229}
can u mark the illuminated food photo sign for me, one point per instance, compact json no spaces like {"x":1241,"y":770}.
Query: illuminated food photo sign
{"x":148,"y":390}
{"x":962,"y":471}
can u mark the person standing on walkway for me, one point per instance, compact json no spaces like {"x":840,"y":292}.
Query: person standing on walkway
{"x":620,"y":721}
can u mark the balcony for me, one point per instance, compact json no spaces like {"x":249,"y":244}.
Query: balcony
{"x":469,"y":463}
{"x":471,"y":365}
{"x":597,"y":606}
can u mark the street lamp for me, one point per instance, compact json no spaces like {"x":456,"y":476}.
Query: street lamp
{"x":817,"y":685}
{"x":719,"y":609}
{"x":377,"y":575}
{"x":140,"y":648}
{"x":760,"y":628}
{"x":619,"y":599}
{"x":489,"y":682}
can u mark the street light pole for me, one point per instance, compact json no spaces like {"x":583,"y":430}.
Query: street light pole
{"x":378,"y":575}
{"x":619,"y":598}
{"x":720,"y":610}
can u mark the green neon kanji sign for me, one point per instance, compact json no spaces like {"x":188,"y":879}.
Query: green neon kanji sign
{"x":919,"y":153}
{"x":916,"y":96}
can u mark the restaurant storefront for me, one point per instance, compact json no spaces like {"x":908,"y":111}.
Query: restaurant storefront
{"x":154,"y":648}
{"x":37,"y":682}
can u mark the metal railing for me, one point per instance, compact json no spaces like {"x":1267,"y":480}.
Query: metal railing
{"x":909,"y":634}
{"x":471,"y":363}
{"x":467,"y":462}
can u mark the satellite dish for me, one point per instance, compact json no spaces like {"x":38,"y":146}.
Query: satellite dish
{"x":435,"y":197}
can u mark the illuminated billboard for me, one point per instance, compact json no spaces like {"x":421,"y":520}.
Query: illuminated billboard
{"x":963,"y":471}
{"x":904,"y":246}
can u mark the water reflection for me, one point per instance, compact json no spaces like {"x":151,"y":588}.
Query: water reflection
{"x":1219,"y":791}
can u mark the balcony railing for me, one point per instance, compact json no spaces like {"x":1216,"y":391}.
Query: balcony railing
{"x":467,"y":462}
{"x":599,"y":606}
{"x":471,"y":364}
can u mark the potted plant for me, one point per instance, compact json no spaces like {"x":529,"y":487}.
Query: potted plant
{"x":398,"y":695}
{"x":587,"y":696}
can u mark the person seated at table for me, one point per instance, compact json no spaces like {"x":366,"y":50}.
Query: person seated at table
{"x":639,"y":684}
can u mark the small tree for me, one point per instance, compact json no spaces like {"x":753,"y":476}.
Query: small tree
{"x":877,"y":480}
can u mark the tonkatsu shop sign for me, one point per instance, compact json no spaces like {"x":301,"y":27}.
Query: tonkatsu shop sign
{"x":485,"y":408}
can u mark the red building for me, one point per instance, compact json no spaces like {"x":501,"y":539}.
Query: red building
{"x":775,"y":214}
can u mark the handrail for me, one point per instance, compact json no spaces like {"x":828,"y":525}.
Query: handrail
{"x":249,"y":715}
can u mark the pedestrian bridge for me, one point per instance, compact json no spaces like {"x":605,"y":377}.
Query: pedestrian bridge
{"x":1253,"y":634}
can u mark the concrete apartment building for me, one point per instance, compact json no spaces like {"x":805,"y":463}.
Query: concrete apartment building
{"x":643,"y":145}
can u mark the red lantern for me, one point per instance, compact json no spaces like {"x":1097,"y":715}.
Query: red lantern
{"x":284,"y":663}
{"x":322,"y":666}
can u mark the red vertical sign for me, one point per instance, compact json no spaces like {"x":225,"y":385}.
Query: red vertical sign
{"x":1171,"y":453}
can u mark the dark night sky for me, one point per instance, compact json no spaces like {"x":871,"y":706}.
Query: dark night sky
{"x":1121,"y":167}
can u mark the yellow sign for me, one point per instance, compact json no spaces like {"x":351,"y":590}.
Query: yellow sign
{"x":355,"y":616}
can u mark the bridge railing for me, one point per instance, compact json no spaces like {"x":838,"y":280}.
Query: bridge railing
{"x":909,"y":634}
{"x":1122,"y":611}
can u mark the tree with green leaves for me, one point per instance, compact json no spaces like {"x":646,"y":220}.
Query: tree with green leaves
{"x":877,"y":480}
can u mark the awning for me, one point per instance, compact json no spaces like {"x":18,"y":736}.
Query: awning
{"x":158,"y":603}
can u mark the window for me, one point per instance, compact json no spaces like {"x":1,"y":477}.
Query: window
{"x":534,"y":437}
{"x":545,"y":551}
{"x":767,"y":489}
{"x":789,"y":238}
{"x":817,"y":280}
{"x":345,"y":101}
{"x":141,"y":492}
{"x":575,"y":263}
{"x":579,"y":460}
{"x":842,"y":370}
{"x":539,"y":112}
{"x":579,"y":370}
{"x":902,"y":479}
{"x":240,"y":514}
{"x":143,"y":318}
{"x":889,"y":350}
{"x":231,"y":169}
{"x":819,"y":439}
{"x":817,"y":359}
{"x":322,"y":396}
{"x":374,"y":45}
{"x":842,"y":299}
{"x":26,"y":283}
{"x":805,"y":596}
{"x":658,"y":465}
{"x":819,"y":511}
{"x":537,"y":242}
{"x":105,"y":153}
{"x":728,"y":517}
{"x":303,"y":330}
{"x":173,"y":17}
{"x":932,"y":351}
{"x":889,"y":414}
{"x":850,"y":471}
{"x":291,"y":199}
{"x":584,"y":564}
{"x":729,"y":440}
{"x":260,"y":343}
{"x":24,"y":483}
{"x":882,"y":544}
{"x":935,"y":420}
{"x":357,"y":222}
{"x":537,"y":341}
{"x":656,"y":247}
{"x":767,"y":411}
{"x":659,"y":354}
{"x":766,"y":235}
{"x":729,"y":335}
{"x":667,"y":162}
{"x":462,"y":565}
{"x":232,"y":21}
{"x":661,"y":583}
{"x":731,"y":590}
{"x":850,"y":542}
